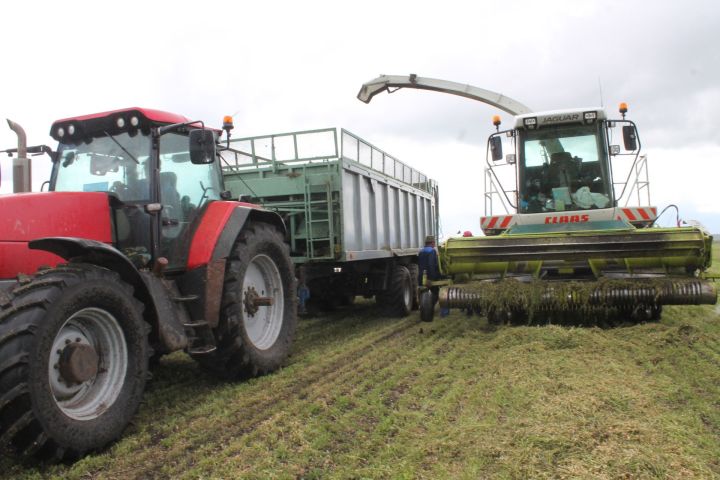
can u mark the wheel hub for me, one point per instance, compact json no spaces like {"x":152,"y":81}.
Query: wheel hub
{"x":78,"y":363}
{"x":253,"y":301}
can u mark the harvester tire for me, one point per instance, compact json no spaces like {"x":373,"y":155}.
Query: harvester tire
{"x":254,"y":338}
{"x":397,"y":299}
{"x":427,"y":306}
{"x":73,"y":361}
{"x":414,"y":274}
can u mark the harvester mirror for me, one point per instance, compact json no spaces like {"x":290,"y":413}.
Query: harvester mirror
{"x":202,"y":146}
{"x":496,"y":148}
{"x":629,"y":137}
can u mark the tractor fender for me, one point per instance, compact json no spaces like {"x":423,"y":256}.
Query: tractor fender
{"x":104,"y":255}
{"x":210,"y":247}
{"x":219,"y":228}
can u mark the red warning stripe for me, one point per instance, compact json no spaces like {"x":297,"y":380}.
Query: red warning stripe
{"x":629,"y":214}
{"x":492,"y":223}
{"x":506,"y":221}
{"x":643,"y":214}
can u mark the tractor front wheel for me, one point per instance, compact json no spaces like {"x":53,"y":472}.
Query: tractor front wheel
{"x":259,"y":313}
{"x":73,"y":361}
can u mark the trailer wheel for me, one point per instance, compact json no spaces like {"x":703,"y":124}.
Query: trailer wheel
{"x":259,"y":313}
{"x":414,"y":278}
{"x":398,"y":298}
{"x":427,"y":306}
{"x":73,"y":362}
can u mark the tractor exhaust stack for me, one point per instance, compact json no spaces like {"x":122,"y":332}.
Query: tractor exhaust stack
{"x":22,"y":170}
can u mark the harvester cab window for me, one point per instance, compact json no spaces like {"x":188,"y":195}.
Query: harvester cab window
{"x":184,"y":189}
{"x":563,"y":168}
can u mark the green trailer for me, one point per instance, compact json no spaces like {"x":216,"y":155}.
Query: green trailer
{"x":356,"y":216}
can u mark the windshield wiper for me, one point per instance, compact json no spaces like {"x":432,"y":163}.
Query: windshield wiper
{"x":123,"y":148}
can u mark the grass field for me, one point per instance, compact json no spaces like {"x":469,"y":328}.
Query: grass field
{"x":369,"y":397}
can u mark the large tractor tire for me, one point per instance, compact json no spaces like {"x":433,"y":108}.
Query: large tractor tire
{"x":73,"y":361}
{"x":397,"y":300}
{"x":259,"y":312}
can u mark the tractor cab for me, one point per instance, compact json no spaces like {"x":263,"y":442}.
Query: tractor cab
{"x":561,"y":169}
{"x":157,"y":167}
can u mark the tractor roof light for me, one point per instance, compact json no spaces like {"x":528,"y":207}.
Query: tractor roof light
{"x":227,"y":126}
{"x":134,"y":121}
{"x":71,"y":129}
{"x":60,"y":132}
{"x":120,"y":122}
{"x":530,"y":122}
{"x":497,"y":122}
{"x":228,"y":123}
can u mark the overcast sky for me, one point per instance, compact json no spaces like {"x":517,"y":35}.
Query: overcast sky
{"x":298,"y":65}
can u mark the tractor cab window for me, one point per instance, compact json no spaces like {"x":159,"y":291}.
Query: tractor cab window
{"x":563,"y":168}
{"x":184,"y":189}
{"x":119,"y":165}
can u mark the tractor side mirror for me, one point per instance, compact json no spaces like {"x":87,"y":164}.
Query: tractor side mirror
{"x":202,"y":146}
{"x":496,"y":148}
{"x":629,"y":138}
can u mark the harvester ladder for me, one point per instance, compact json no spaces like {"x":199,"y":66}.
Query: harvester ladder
{"x":322,"y":208}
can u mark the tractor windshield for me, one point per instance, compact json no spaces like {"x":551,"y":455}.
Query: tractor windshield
{"x":563,"y":168}
{"x":119,"y":164}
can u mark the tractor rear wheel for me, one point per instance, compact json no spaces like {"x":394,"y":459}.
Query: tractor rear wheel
{"x":259,"y":314}
{"x":397,"y":299}
{"x":73,"y":361}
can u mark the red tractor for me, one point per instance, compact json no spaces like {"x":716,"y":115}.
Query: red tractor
{"x":136,"y":251}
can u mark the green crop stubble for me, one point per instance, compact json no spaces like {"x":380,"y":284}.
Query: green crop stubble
{"x":370,"y":397}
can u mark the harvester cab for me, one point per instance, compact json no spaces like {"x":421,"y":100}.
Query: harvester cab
{"x":561,"y":173}
{"x":134,"y":252}
{"x":565,"y":244}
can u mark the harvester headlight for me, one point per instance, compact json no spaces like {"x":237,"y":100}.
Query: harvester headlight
{"x":71,"y":129}
{"x":60,"y":132}
{"x":134,"y":121}
{"x":614,"y":149}
{"x":530,"y":122}
{"x":589,"y":117}
{"x":120,"y":122}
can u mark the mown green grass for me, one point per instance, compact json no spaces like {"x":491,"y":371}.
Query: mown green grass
{"x":369,"y":397}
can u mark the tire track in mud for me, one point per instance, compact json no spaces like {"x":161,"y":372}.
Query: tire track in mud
{"x":252,"y":413}
{"x":397,"y":364}
{"x":308,"y":388}
{"x":409,"y":379}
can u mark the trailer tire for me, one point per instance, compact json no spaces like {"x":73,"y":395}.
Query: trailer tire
{"x":73,"y":362}
{"x":414,"y":278}
{"x":398,"y":297}
{"x":255,"y":339}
